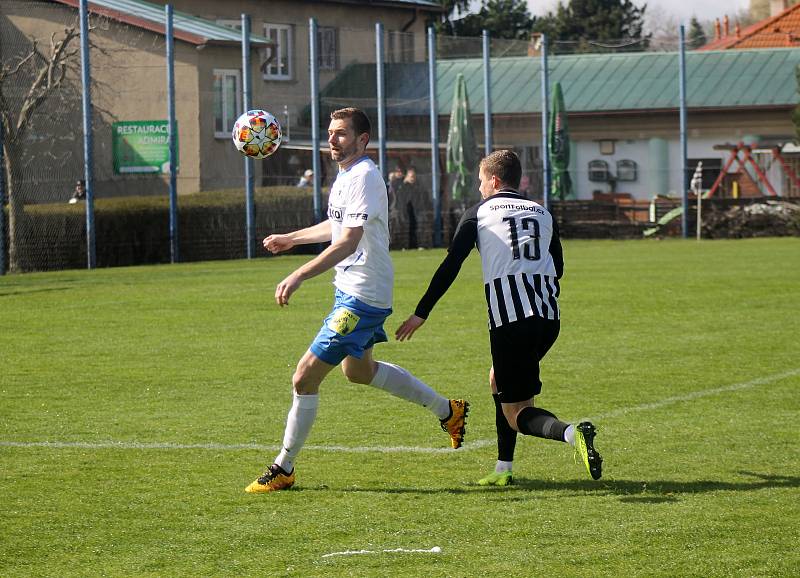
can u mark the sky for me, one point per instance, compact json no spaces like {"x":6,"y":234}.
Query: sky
{"x":681,"y":10}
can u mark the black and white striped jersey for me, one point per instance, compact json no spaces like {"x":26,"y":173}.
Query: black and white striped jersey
{"x":521,"y":258}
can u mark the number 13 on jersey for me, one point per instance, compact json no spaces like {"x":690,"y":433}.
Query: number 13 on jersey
{"x":526,"y":232}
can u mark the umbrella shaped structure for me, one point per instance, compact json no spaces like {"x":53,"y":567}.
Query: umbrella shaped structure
{"x":559,"y":146}
{"x":462,"y":151}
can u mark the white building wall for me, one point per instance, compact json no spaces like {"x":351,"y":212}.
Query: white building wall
{"x":639,"y":150}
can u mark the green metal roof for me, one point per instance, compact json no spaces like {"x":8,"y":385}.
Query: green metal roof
{"x":430,"y":4}
{"x":592,"y":83}
{"x":628,"y":82}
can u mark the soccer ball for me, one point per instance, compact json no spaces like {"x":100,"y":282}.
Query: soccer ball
{"x":257,"y":134}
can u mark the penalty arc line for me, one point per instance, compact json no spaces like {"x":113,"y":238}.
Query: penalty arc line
{"x":392,"y":449}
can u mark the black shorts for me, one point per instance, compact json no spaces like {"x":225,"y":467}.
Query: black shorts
{"x":517,"y":348}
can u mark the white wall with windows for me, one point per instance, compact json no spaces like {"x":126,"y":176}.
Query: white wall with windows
{"x":658,"y":165}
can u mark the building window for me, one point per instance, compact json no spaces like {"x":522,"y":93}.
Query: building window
{"x":606,"y":147}
{"x":227,"y":101}
{"x":278,"y":61}
{"x":626,"y":170}
{"x":598,"y":171}
{"x":328,"y":46}
{"x":399,"y":46}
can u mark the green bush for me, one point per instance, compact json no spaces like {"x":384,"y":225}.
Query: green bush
{"x":135,"y":230}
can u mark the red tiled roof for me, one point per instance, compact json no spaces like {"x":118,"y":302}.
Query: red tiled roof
{"x":779,"y":31}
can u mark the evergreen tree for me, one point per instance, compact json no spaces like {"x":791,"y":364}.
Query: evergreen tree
{"x":697,"y":36}
{"x":502,"y":18}
{"x":588,"y":22}
{"x":453,"y":11}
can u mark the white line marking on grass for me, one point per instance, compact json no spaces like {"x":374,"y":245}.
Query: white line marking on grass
{"x":233,"y":447}
{"x":391,"y":449}
{"x":702,"y":393}
{"x":434,"y":550}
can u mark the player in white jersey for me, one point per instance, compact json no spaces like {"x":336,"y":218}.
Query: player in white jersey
{"x":522,"y":262}
{"x":357,"y":227}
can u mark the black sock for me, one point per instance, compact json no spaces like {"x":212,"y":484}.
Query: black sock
{"x":535,"y":421}
{"x":506,"y":435}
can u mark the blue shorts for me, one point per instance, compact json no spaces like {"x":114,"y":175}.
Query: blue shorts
{"x":350,"y":329}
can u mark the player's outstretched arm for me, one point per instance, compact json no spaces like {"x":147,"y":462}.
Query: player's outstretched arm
{"x":319,"y":233}
{"x":408,"y":327}
{"x":344,"y":246}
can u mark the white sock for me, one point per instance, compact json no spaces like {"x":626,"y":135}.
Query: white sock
{"x":502,"y":466}
{"x":298,"y":425}
{"x":569,"y":435}
{"x":399,"y":382}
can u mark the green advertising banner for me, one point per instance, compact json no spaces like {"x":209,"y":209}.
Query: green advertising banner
{"x":141,"y":146}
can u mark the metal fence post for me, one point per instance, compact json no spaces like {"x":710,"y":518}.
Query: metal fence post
{"x":545,"y":117}
{"x":684,"y":146}
{"x":697,"y":188}
{"x":314,"y":87}
{"x":248,"y":162}
{"x":437,"y":201}
{"x":88,"y":158}
{"x":379,"y":73}
{"x":2,"y":205}
{"x":487,"y":95}
{"x":172,"y":133}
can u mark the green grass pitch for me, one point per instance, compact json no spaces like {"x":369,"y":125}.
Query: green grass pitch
{"x":138,"y":403}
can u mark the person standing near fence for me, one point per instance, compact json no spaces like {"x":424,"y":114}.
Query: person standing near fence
{"x":522,"y":261}
{"x":357,"y":227}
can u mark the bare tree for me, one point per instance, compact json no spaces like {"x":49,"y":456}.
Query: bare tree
{"x":42,"y":72}
{"x":663,"y":27}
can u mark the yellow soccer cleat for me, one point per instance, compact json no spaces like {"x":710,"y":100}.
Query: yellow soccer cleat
{"x":585,"y":451}
{"x":497,"y":479}
{"x":274,"y":479}
{"x":456,"y":423}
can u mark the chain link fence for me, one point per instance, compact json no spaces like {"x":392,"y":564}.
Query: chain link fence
{"x":619,"y":131}
{"x":42,"y":141}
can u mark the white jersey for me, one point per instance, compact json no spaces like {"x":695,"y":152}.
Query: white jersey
{"x":358,"y":198}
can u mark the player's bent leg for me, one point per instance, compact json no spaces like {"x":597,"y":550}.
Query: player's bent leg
{"x":506,"y":435}
{"x":401,"y":383}
{"x":309,"y":373}
{"x":306,"y":381}
{"x":534,"y":421}
{"x":361,"y":370}
{"x":506,"y":442}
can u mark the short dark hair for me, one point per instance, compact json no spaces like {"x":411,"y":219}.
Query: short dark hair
{"x":503,"y":164}
{"x":357,"y":117}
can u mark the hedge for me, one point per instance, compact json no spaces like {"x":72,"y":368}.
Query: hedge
{"x":135,"y":230}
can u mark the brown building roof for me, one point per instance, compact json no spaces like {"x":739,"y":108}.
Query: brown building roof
{"x":779,"y":31}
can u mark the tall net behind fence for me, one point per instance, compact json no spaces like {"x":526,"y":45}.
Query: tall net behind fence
{"x":131,"y":152}
{"x":614,"y":151}
{"x":43,"y":147}
{"x":408,"y":135}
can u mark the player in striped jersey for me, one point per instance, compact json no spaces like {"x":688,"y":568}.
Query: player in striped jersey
{"x":522,"y":262}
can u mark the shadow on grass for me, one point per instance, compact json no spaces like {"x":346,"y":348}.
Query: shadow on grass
{"x":630,"y":491}
{"x":29,"y":290}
